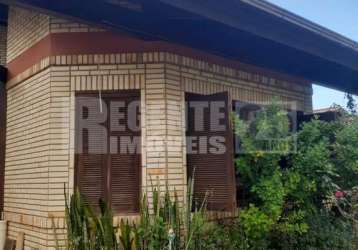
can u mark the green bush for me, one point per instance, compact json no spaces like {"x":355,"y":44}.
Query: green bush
{"x":327,"y":233}
{"x":306,"y":202}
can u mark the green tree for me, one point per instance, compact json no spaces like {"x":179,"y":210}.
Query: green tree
{"x":298,"y":199}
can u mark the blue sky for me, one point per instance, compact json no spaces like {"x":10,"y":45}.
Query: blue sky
{"x":340,"y":16}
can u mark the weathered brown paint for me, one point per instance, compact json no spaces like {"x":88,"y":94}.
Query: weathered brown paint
{"x":111,"y":172}
{"x":212,"y":173}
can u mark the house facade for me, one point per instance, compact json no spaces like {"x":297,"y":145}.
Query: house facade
{"x":49,"y":60}
{"x":54,"y":62}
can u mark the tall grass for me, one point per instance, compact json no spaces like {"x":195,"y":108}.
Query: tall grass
{"x":87,"y":230}
{"x":163,"y":224}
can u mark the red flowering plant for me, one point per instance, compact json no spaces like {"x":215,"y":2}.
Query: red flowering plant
{"x":339,"y":194}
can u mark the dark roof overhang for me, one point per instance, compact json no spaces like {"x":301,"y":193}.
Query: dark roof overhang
{"x":3,"y":14}
{"x":250,"y":31}
{"x":3,"y":72}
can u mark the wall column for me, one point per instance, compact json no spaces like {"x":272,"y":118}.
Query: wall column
{"x":164,"y":144}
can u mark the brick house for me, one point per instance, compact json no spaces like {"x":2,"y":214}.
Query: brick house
{"x":54,"y":56}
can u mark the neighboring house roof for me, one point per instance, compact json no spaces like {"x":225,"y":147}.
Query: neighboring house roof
{"x":250,"y":31}
{"x":325,"y":110}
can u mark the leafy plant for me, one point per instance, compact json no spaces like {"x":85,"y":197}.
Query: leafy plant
{"x":327,"y":233}
{"x":81,"y":228}
{"x":256,"y":226}
{"x":126,"y":237}
{"x":164,"y":226}
{"x":291,"y":193}
{"x":106,"y":232}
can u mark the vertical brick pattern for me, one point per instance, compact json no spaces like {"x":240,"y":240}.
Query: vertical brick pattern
{"x":164,"y":135}
{"x":27,"y":159}
{"x":59,"y":25}
{"x":58,"y":166}
{"x":3,"y":39}
{"x":175,"y":120}
{"x":25,"y":28}
{"x":198,"y":77}
{"x":155,"y":126}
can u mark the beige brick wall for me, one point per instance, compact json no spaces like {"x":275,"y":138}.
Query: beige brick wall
{"x":3,"y":38}
{"x":28,"y":27}
{"x":27,"y":158}
{"x":165,"y":137}
{"x":40,"y":143}
{"x":150,"y":79}
{"x":25,"y":28}
{"x":40,"y":139}
{"x":201,"y":82}
{"x":162,"y":110}
{"x":59,"y":25}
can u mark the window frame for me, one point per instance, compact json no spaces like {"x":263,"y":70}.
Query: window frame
{"x":107,"y":189}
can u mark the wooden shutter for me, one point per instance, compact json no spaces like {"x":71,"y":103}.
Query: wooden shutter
{"x":90,"y":164}
{"x":125,"y":165}
{"x":214,"y":173}
{"x":2,"y":133}
{"x":113,"y":176}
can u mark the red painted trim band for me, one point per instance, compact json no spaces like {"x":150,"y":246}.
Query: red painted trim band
{"x":109,"y":43}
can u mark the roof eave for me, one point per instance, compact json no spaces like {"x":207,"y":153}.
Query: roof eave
{"x":251,"y":31}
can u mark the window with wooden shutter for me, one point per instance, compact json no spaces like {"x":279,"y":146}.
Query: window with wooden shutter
{"x":125,"y":165}
{"x":214,"y":175}
{"x":108,"y":163}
